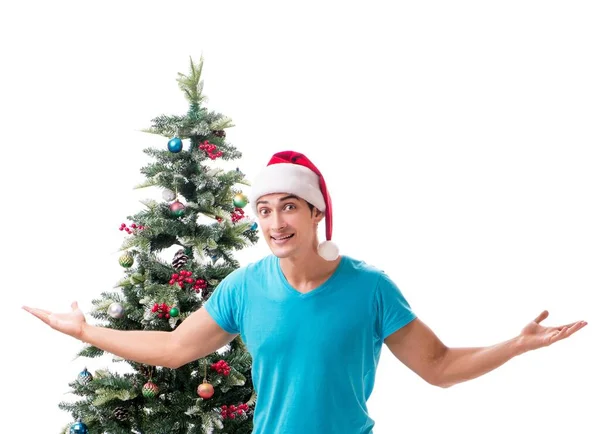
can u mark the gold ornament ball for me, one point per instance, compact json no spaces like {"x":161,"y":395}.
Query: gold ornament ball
{"x":126,"y":260}
{"x":205,"y":390}
{"x":240,"y":200}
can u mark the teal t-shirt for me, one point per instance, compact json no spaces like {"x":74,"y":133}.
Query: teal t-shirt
{"x":314,"y":354}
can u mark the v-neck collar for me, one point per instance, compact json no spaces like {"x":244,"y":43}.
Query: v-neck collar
{"x":322,"y":287}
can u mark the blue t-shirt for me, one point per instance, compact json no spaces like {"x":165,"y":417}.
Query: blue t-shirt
{"x":315,"y":353}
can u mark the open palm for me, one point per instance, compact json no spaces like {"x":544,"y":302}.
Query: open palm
{"x":535,"y":335}
{"x":70,"y":323}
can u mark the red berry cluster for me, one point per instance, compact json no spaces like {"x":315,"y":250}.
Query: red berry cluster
{"x":231,"y":411}
{"x":210,"y":150}
{"x":185,"y":276}
{"x":162,"y":309}
{"x":219,"y":219}
{"x":221,"y":367}
{"x":131,"y":229}
{"x":237,"y":215}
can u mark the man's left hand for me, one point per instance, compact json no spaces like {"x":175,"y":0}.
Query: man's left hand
{"x":535,"y":335}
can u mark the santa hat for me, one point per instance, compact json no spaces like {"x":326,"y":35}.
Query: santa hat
{"x":293,"y":173}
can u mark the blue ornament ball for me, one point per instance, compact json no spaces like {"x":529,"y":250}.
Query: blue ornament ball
{"x":254,"y":226}
{"x":79,"y":428}
{"x":175,"y":145}
{"x":84,"y":377}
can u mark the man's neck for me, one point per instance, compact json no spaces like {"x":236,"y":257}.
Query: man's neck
{"x":307,"y":272}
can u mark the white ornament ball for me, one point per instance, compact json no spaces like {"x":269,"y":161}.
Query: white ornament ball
{"x":328,"y":250}
{"x":168,"y":195}
{"x":116,"y":310}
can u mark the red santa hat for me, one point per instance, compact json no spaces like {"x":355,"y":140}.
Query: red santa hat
{"x":293,"y":173}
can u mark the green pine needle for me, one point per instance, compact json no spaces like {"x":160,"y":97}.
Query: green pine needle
{"x":191,"y":84}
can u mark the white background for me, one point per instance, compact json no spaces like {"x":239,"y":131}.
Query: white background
{"x":459,"y":140}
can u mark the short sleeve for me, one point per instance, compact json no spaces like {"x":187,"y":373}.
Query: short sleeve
{"x":393,"y":310}
{"x":224,"y":303}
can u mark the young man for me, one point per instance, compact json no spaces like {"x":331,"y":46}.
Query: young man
{"x":313,"y":321}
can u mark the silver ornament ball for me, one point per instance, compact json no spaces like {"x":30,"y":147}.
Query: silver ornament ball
{"x":116,"y":310}
{"x":168,"y":195}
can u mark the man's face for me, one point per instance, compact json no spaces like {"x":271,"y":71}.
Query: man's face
{"x":287,"y":223}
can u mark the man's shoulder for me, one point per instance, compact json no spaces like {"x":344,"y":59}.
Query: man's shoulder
{"x":360,"y":267}
{"x":361,"y":274}
{"x":250,"y":270}
{"x":260,"y":266}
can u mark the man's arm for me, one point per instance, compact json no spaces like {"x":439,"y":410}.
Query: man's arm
{"x":417,"y":346}
{"x":197,"y":336}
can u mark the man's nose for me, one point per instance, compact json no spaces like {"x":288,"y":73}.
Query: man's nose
{"x":278,"y":221}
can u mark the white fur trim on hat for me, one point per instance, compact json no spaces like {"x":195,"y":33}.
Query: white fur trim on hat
{"x":328,"y":250}
{"x":288,"y":178}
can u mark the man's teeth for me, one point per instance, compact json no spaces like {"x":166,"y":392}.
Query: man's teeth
{"x":283,"y":238}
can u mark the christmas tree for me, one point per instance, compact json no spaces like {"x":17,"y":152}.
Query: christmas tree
{"x":200,"y":218}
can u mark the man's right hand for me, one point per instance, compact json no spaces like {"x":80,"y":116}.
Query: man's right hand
{"x":70,"y":323}
{"x":196,"y":337}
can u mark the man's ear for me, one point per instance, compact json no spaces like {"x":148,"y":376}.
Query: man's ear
{"x":318,"y":215}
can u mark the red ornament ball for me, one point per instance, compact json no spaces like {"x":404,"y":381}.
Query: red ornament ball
{"x":177,"y":209}
{"x":150,"y":390}
{"x":205,"y":390}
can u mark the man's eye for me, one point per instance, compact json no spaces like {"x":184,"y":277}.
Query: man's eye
{"x":289,"y":206}
{"x":263,"y":211}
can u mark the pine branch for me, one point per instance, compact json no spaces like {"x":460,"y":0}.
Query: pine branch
{"x":191,"y":84}
{"x":149,"y":182}
{"x":90,"y":352}
{"x":167,"y":126}
{"x":210,"y":421}
{"x":107,"y":395}
{"x":123,"y":283}
{"x":152,"y":205}
{"x":221,"y":123}
{"x":252,"y":400}
{"x":141,"y":242}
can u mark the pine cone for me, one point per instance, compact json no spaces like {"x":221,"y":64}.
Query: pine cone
{"x":121,"y":414}
{"x":147,"y":371}
{"x":180,"y":259}
{"x":219,"y":133}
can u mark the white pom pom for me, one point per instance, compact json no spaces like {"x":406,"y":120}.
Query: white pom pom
{"x":328,"y":250}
